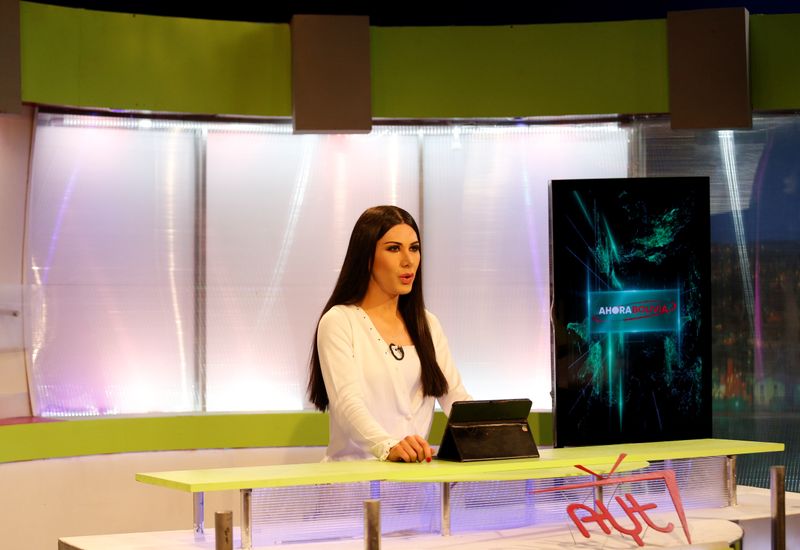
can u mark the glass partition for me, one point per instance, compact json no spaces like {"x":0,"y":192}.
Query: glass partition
{"x":181,"y":266}
{"x":486,"y":220}
{"x":755,"y":276}
{"x":279,"y":213}
{"x":109,"y":313}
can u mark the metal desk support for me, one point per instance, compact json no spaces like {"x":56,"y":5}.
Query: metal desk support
{"x":446,"y":509}
{"x":247,"y":534}
{"x":372,"y":524}
{"x":777,"y":490}
{"x":730,"y":478}
{"x":598,"y":496}
{"x":198,"y":515}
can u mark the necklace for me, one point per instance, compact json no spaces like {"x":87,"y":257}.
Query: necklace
{"x":397,"y":351}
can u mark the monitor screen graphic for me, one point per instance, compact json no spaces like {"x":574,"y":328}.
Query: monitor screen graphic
{"x":631,"y":310}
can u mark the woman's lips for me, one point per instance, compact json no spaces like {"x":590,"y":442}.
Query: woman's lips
{"x":407,"y":278}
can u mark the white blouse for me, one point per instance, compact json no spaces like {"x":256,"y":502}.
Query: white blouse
{"x":376,"y":400}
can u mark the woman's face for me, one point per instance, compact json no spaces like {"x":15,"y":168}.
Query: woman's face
{"x":396,"y":261}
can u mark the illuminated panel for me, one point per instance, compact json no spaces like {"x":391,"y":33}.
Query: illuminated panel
{"x":634,"y":311}
{"x":631,"y":310}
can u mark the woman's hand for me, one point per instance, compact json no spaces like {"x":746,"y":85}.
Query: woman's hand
{"x":411,"y":448}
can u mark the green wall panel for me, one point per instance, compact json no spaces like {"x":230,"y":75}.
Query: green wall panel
{"x":64,"y":438}
{"x":775,"y":62}
{"x":88,"y":58}
{"x":529,"y":70}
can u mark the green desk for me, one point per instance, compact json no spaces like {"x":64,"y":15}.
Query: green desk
{"x":553,"y":463}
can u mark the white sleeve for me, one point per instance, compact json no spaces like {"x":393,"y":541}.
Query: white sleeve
{"x":344,"y":384}
{"x":456,"y":391}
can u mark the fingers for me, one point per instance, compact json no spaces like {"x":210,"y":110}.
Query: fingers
{"x":412,"y":448}
{"x":399,"y":453}
{"x":427,"y":452}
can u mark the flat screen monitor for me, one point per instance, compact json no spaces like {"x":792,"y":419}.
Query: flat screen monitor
{"x":631,"y":310}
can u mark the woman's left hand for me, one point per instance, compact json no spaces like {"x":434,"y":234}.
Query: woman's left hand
{"x":412,"y":448}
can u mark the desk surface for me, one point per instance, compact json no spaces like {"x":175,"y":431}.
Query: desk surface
{"x":552,"y":463}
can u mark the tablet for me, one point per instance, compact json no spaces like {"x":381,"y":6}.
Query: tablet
{"x":488,"y":430}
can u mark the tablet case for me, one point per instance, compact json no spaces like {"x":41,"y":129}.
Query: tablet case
{"x":488,"y":430}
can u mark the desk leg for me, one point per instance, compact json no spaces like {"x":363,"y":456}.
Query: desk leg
{"x":198,"y":515}
{"x":445,"y":509}
{"x":372,"y":524}
{"x":247,"y":535}
{"x":598,"y":496}
{"x":777,"y":497}
{"x":730,"y":479}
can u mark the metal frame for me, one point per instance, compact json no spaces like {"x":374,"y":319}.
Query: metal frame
{"x":445,"y":529}
{"x":777,"y":493}
{"x":198,"y":515}
{"x":372,"y":524}
{"x":730,"y":479}
{"x":246,"y":529}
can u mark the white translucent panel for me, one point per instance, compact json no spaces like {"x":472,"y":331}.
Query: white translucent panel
{"x":110,"y":349}
{"x":114,"y":253}
{"x":280,"y":212}
{"x":730,"y":159}
{"x":110,"y":270}
{"x":336,"y":511}
{"x":487,"y":244}
{"x":701,"y":484}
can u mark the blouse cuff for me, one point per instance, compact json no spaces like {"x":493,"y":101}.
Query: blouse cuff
{"x":383,"y":449}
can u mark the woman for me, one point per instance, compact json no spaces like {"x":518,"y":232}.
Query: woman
{"x":379,"y":358}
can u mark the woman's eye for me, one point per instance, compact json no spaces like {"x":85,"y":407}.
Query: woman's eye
{"x":415,"y":248}
{"x":393,"y":248}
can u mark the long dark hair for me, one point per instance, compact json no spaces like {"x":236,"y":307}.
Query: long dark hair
{"x":351,"y":287}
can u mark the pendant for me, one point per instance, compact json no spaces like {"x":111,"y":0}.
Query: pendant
{"x":397,"y":352}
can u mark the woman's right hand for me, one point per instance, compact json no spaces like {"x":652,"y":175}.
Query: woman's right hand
{"x":412,"y":448}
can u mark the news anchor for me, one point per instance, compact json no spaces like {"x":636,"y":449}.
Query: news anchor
{"x":380,"y":359}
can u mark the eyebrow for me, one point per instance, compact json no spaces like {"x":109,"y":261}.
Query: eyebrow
{"x":398,"y":242}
